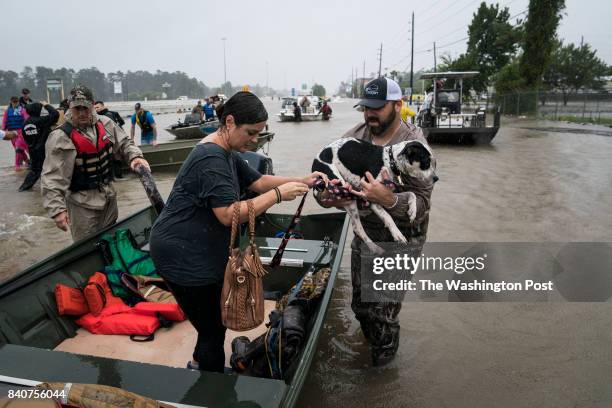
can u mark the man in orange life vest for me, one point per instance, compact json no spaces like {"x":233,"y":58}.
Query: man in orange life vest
{"x":77,"y":176}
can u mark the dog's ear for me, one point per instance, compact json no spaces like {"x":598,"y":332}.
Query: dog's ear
{"x":417,"y":152}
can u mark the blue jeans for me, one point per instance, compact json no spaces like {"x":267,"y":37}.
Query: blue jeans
{"x":147,"y":138}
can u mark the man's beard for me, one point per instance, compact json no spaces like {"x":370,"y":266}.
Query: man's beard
{"x":382,"y":125}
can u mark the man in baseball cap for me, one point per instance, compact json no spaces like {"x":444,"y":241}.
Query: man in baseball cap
{"x":381,"y":104}
{"x":378,"y":92}
{"x":77,"y":178}
{"x":80,"y":96}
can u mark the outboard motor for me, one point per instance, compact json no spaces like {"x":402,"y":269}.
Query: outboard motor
{"x":258,"y":161}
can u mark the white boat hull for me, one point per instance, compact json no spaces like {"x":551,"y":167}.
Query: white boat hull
{"x":306,"y":117}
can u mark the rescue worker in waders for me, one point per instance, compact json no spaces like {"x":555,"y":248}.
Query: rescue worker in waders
{"x":148,"y":128}
{"x":77,"y":178}
{"x":382,"y":126}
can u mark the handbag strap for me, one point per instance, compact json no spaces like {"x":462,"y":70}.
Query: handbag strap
{"x":235,"y":219}
{"x":281,"y":248}
{"x":251,"y":208}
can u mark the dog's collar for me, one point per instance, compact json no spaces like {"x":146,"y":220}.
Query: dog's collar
{"x":393,"y":164}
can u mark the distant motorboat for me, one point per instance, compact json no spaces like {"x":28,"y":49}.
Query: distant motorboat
{"x":309,"y":114}
{"x":441,"y":116}
{"x":192,"y":127}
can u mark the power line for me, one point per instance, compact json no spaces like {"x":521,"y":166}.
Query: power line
{"x":465,"y":38}
{"x":453,"y":15}
{"x":433,"y":13}
{"x":467,"y":25}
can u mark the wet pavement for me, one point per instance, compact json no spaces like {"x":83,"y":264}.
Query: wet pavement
{"x":536,"y":182}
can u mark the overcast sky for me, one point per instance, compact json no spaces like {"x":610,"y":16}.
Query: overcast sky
{"x":285,"y":42}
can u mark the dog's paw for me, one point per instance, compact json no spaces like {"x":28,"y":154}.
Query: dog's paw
{"x":412,"y":206}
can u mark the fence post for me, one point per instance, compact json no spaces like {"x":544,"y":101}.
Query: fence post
{"x":518,"y":102}
{"x":556,"y":107}
{"x":584,"y":105}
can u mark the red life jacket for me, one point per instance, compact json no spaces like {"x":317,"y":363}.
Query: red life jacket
{"x":93,"y":165}
{"x":109,"y":315}
{"x":136,"y":321}
{"x":98,"y":294}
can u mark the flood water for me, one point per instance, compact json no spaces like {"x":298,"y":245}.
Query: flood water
{"x":536,"y":182}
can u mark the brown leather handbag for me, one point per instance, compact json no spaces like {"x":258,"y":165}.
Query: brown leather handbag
{"x":242,"y":297}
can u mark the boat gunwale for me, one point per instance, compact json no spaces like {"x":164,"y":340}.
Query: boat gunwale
{"x":47,"y":265}
{"x":295,"y":386}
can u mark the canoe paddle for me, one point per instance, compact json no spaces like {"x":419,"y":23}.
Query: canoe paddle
{"x":146,"y":178}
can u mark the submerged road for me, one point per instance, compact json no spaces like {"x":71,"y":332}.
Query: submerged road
{"x":538,"y":181}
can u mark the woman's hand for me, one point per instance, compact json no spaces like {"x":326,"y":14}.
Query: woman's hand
{"x":311,"y":179}
{"x":328,"y":200}
{"x":289,"y":191}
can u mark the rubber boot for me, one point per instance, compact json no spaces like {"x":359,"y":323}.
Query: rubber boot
{"x":30,"y":179}
{"x":385,"y":354}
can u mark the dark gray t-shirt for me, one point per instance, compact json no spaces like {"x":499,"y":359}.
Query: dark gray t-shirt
{"x":188,"y":243}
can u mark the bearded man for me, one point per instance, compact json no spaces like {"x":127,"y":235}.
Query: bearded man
{"x":382,"y":104}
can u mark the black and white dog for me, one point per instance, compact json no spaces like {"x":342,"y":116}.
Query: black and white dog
{"x":348,"y":160}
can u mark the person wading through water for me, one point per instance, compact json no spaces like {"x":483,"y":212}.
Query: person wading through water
{"x":77,"y":178}
{"x":36,"y":130}
{"x":148,"y":128}
{"x":382,"y":126}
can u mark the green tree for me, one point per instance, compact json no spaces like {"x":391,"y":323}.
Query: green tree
{"x":28,"y":80}
{"x":492,"y":42}
{"x":509,"y":87}
{"x":318,"y":90}
{"x":9,"y":86}
{"x":539,"y":39}
{"x":575,"y":67}
{"x":508,"y":79}
{"x":94,"y":80}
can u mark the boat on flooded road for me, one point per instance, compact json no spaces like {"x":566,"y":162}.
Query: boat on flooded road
{"x":309,"y":113}
{"x":170,"y":156}
{"x":39,"y":345}
{"x":442,"y":118}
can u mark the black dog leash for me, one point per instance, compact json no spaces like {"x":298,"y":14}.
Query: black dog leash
{"x":319,"y":185}
{"x":276,"y":259}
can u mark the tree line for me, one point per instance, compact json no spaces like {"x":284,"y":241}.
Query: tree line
{"x":135,"y":85}
{"x":524,"y":55}
{"x":527,"y":55}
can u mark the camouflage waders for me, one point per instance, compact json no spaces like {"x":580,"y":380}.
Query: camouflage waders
{"x":379,"y":320}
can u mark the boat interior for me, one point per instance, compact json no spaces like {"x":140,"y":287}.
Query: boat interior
{"x":29,"y":316}
{"x":171,"y":347}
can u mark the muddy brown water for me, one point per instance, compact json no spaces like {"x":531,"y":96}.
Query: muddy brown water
{"x":538,"y":181}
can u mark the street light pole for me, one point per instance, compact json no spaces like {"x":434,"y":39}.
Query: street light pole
{"x":224,"y":63}
{"x":412,"y":59}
